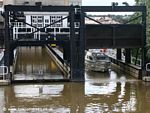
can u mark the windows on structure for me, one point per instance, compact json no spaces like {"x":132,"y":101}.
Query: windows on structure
{"x":46,"y":20}
{"x":40,"y":21}
{"x":37,"y":21}
{"x":56,"y":18}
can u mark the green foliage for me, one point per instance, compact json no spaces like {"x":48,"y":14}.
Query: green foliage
{"x":136,"y":53}
{"x":136,"y":21}
{"x":120,"y":18}
{"x":147,"y":3}
{"x":137,"y":1}
{"x":148,"y":49}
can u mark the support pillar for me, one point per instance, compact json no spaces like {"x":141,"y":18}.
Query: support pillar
{"x":81,"y":49}
{"x":81,"y":58}
{"x":144,"y":59}
{"x":11,"y":56}
{"x":72,"y":45}
{"x":128,"y":56}
{"x":77,"y":45}
{"x":7,"y":43}
{"x":66,"y":51}
{"x":118,"y":54}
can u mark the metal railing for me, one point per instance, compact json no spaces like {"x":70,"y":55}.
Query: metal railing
{"x":136,"y":61}
{"x":3,"y":72}
{"x":54,"y":31}
{"x":148,"y":67}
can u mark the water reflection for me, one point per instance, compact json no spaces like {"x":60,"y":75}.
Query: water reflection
{"x":100,"y":88}
{"x":101,"y":93}
{"x":35,"y":63}
{"x":35,"y":60}
{"x":2,"y":99}
{"x":38,"y":91}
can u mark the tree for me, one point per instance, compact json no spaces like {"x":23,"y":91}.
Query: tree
{"x":147,"y":3}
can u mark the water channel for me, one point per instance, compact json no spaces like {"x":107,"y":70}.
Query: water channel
{"x":35,"y":63}
{"x":110,"y":92}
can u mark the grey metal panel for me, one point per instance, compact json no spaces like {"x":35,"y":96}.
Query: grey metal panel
{"x":114,"y":36}
{"x":128,"y":31}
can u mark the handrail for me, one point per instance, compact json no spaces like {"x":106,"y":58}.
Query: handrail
{"x":4,"y":71}
{"x":138,"y":61}
{"x":147,"y":65}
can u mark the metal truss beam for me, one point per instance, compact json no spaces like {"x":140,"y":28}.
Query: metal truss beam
{"x":68,"y":8}
{"x":37,"y":8}
{"x":113,"y":8}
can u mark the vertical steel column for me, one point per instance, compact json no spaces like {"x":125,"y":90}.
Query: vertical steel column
{"x":118,"y":54}
{"x":72,"y":44}
{"x":81,"y":62}
{"x":7,"y":42}
{"x":143,"y":65}
{"x":11,"y":56}
{"x":127,"y":55}
{"x":66,"y":54}
{"x":113,"y":35}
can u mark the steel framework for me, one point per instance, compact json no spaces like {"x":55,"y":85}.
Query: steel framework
{"x":87,"y":36}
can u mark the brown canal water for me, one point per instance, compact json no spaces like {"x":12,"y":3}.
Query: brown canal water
{"x":35,"y":63}
{"x":111,"y":92}
{"x":100,"y":93}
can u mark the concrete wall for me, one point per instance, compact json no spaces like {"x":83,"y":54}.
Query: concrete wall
{"x":129,"y":69}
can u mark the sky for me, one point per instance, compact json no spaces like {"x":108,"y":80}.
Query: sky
{"x":105,"y":2}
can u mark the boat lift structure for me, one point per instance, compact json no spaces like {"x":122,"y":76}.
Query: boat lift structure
{"x":76,"y":39}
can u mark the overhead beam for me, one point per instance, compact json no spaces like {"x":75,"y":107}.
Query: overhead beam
{"x":67,"y":8}
{"x":113,"y":8}
{"x":37,"y":8}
